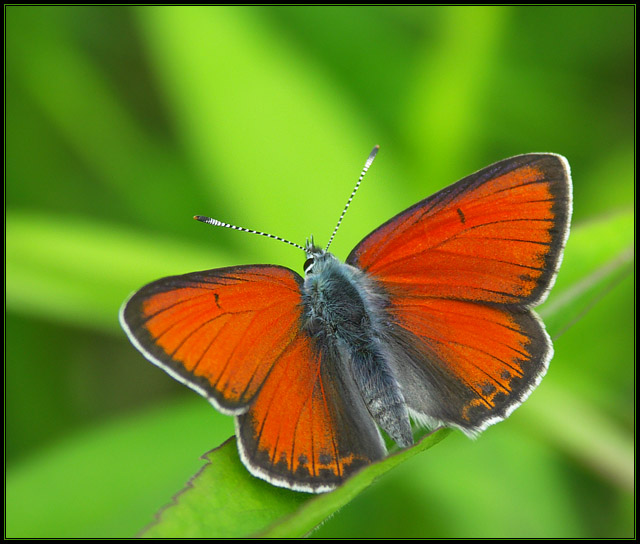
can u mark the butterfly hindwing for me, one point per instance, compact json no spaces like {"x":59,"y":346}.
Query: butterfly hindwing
{"x":308,"y":429}
{"x":461,"y":270}
{"x":465,"y":364}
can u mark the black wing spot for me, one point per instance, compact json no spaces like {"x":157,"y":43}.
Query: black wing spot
{"x":217,"y":299}
{"x":462,"y":217}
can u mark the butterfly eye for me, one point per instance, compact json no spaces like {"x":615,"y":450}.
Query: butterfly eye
{"x":308,"y":264}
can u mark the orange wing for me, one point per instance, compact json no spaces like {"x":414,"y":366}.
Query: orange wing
{"x":309,"y":428}
{"x":464,"y":364}
{"x":496,"y":236}
{"x":235,"y":336}
{"x":221,"y":331}
{"x":461,"y":270}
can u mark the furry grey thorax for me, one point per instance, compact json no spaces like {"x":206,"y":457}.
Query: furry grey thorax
{"x":344,"y":314}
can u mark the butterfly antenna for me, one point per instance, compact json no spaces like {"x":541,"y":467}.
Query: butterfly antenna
{"x":367,"y":164}
{"x":216,"y":223}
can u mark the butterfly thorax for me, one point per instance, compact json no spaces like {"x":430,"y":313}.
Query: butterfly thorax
{"x":344,"y":314}
{"x":335,"y":304}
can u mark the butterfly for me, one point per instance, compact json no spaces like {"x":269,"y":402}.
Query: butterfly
{"x":428,"y":320}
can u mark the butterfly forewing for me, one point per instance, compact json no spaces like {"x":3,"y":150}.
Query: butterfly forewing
{"x":219,"y":331}
{"x":495,"y":236}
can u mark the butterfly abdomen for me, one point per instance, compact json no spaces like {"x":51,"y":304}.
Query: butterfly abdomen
{"x":343,"y":314}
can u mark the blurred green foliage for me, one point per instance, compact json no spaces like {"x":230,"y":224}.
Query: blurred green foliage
{"x":121,"y":123}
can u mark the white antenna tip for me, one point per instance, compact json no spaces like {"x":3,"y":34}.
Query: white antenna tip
{"x":367,"y":164}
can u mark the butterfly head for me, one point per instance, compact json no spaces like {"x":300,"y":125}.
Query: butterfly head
{"x":315,"y":254}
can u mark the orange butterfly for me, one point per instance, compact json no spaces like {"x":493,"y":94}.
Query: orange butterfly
{"x":429,"y":319}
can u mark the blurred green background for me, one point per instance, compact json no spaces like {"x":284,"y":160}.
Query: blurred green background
{"x":123,"y":122}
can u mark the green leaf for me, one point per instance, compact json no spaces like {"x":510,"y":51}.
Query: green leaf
{"x":224,"y":501}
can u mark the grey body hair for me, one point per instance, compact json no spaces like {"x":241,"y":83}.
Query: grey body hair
{"x":344,"y":314}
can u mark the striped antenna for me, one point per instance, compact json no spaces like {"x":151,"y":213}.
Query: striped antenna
{"x":367,"y":164}
{"x":216,"y":223}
